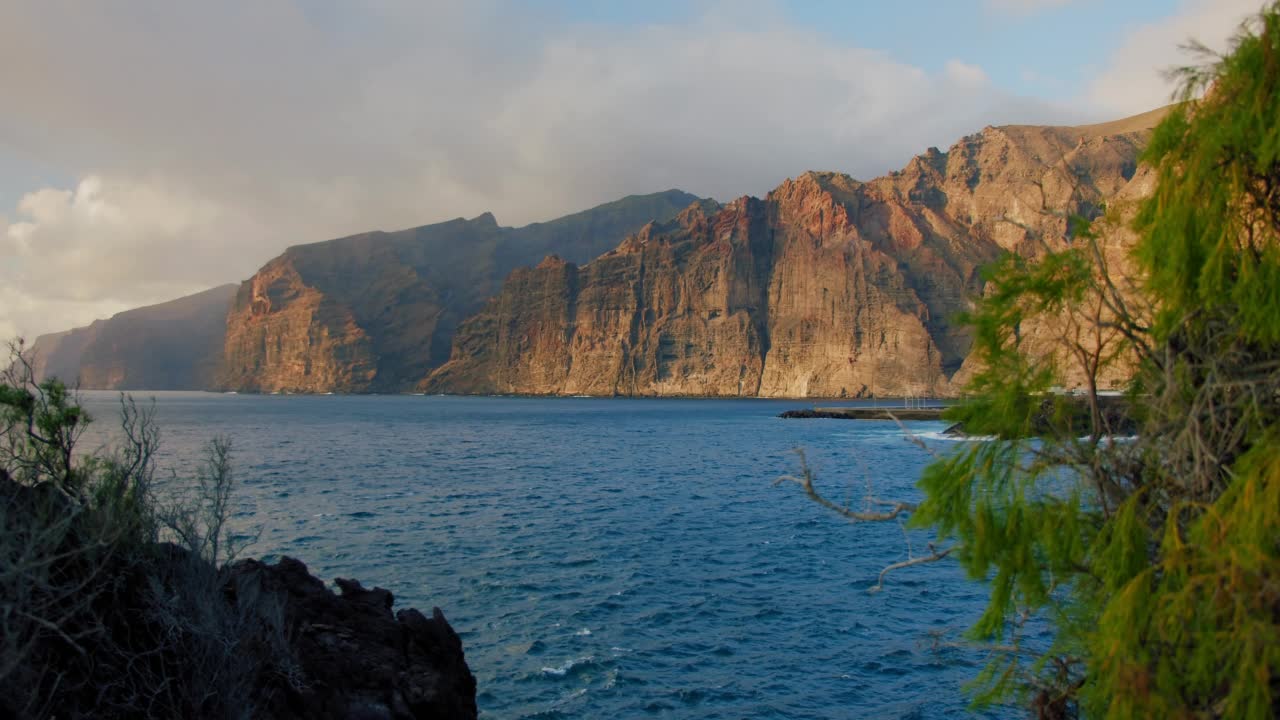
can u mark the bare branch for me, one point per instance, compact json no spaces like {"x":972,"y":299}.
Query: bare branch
{"x":934,"y":556}
{"x":805,"y":481}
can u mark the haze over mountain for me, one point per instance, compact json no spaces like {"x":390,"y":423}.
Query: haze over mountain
{"x":176,"y":345}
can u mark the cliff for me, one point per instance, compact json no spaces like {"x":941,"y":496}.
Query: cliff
{"x":378,"y":311}
{"x":828,"y":287}
{"x":170,"y":346}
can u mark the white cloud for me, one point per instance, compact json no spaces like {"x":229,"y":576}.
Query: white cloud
{"x":209,"y":136}
{"x":71,"y":256}
{"x":1134,"y":81}
{"x":20,"y":305}
{"x":1025,"y":6}
{"x":965,"y":74}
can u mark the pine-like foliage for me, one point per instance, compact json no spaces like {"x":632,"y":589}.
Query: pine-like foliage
{"x":1155,"y":558}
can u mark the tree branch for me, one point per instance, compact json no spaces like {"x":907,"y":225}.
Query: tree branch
{"x":934,"y":556}
{"x":805,"y":480}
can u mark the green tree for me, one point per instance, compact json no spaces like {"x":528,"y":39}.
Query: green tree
{"x":1156,"y":559}
{"x":115,"y":599}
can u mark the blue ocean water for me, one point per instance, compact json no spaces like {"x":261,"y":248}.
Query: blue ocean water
{"x":608,"y":557}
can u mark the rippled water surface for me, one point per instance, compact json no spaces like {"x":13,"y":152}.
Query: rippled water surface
{"x":608,"y":558}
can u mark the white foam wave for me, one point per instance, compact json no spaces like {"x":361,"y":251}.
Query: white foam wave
{"x":570,"y":697}
{"x":566,"y":666}
{"x":941,"y":436}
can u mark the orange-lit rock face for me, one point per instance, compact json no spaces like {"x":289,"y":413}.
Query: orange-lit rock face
{"x":285,"y":336}
{"x":778,"y":297}
{"x":826,"y":288}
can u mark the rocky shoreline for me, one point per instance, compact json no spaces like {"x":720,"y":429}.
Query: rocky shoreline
{"x":358,"y":658}
{"x":1114,"y":410}
{"x":866,"y":413}
{"x":118,"y":626}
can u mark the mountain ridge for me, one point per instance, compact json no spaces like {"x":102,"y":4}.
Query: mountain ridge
{"x":827,"y":287}
{"x":380,"y":311}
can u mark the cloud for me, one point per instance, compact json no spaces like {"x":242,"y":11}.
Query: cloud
{"x":91,"y":243}
{"x":965,"y":74}
{"x":20,"y":305}
{"x":207,"y":137}
{"x":1025,"y":7}
{"x":1134,"y":82}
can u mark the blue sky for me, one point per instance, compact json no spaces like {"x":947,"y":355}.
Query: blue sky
{"x":1043,"y":49}
{"x":1047,"y":52}
{"x":150,"y":149}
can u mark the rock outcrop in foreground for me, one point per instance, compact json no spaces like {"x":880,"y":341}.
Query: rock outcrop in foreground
{"x":377,"y":312}
{"x":828,"y":287}
{"x":101,"y":621}
{"x":355,"y":659}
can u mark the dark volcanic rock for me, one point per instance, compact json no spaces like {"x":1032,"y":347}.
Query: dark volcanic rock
{"x":357,"y":658}
{"x":865,"y":413}
{"x":100,"y":624}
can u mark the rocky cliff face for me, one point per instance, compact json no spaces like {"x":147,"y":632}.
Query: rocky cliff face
{"x":1078,"y":335}
{"x":170,"y":346}
{"x":828,"y":287}
{"x":377,"y":311}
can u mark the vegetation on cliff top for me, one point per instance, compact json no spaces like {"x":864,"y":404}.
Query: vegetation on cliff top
{"x":1156,"y":558}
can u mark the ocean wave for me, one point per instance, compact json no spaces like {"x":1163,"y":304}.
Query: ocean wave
{"x":575,"y":665}
{"x":942,"y":436}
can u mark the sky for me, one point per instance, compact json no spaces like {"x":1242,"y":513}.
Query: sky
{"x":154,"y":148}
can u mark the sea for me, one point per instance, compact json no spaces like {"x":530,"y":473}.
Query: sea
{"x":609,"y":558}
